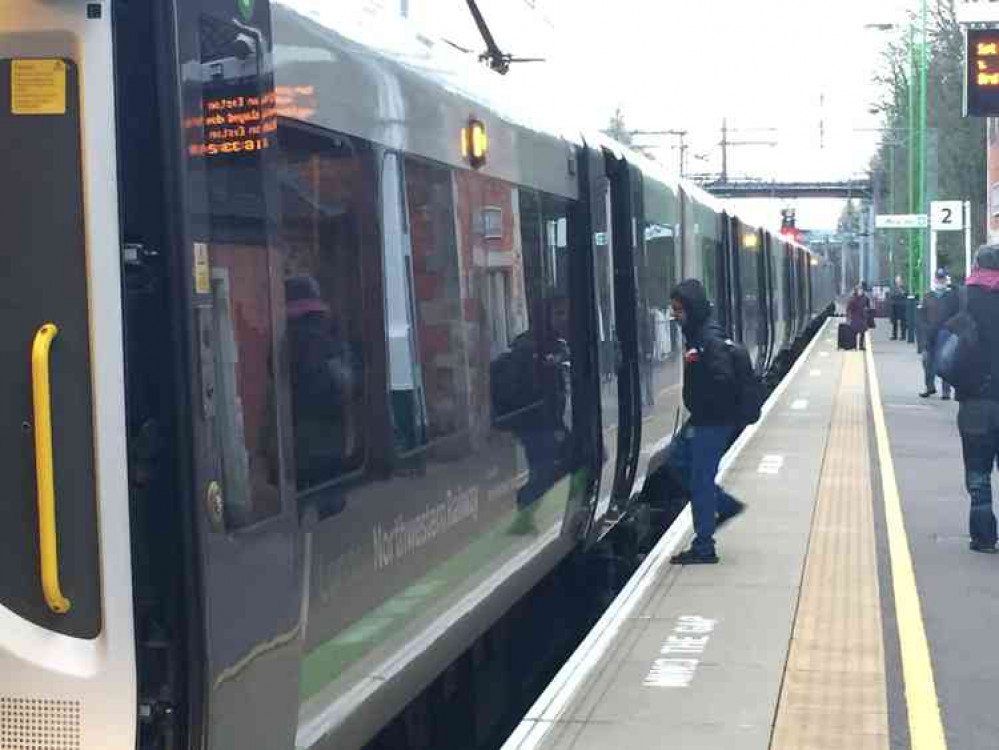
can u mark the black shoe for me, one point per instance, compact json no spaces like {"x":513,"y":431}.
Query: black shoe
{"x":724,"y":518}
{"x":694,"y":557}
{"x":927,"y":394}
{"x":945,"y":397}
{"x":988,"y":549}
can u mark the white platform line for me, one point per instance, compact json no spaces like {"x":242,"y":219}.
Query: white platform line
{"x":552,"y":703}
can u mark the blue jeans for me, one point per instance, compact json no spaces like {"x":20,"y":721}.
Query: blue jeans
{"x":978,"y":422}
{"x":695,"y":455}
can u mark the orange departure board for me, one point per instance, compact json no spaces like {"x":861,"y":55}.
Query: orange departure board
{"x":982,"y":73}
{"x":233,"y":124}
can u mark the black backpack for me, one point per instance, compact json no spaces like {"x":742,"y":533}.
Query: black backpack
{"x":750,"y":391}
{"x":958,"y":356}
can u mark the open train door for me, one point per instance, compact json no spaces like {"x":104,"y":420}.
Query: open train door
{"x":624,"y":211}
{"x":67,"y":665}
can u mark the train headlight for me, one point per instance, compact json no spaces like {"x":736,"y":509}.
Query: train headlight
{"x":474,"y":143}
{"x":751,"y":241}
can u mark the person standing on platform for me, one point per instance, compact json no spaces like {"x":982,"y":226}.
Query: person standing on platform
{"x":939,"y":305}
{"x":709,"y":393}
{"x":856,"y":314}
{"x":897,"y":299}
{"x":978,"y":413}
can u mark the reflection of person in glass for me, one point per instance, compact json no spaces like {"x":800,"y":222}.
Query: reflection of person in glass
{"x":530,"y":395}
{"x":321,"y":379}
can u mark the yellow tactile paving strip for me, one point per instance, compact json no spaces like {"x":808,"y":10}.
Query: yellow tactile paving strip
{"x":834,"y":695}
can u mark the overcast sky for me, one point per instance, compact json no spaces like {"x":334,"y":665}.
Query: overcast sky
{"x":803,"y":67}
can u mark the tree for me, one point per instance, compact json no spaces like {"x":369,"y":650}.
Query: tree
{"x":955,"y":146}
{"x":618,"y":129}
{"x":846,"y":256}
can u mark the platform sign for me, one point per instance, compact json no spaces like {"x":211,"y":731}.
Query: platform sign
{"x":981,"y":78}
{"x":947,"y":216}
{"x":901,"y":221}
{"x":977,"y":11}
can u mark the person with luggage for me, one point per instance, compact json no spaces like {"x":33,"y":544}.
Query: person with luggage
{"x":857,"y":316}
{"x":710,"y":393}
{"x":897,"y":300}
{"x":977,"y":391}
{"x":939,"y":305}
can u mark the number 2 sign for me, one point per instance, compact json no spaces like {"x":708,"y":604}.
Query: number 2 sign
{"x":947,"y":216}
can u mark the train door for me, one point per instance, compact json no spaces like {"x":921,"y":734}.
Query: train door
{"x":765,"y":285}
{"x":237,"y":291}
{"x":750,"y":298}
{"x":610,"y":197}
{"x":609,"y":354}
{"x":794,"y":312}
{"x":732,"y":241}
{"x":726,"y":264}
{"x":66,"y":625}
{"x":629,"y":248}
{"x":777,"y":321}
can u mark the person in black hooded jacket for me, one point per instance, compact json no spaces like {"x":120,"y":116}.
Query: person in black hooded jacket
{"x":709,"y":393}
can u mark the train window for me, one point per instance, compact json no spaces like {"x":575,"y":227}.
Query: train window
{"x":710,"y":250}
{"x":500,"y":275}
{"x":753,"y":320}
{"x":702,"y":243}
{"x":329,"y":204}
{"x":237,"y":293}
{"x":245,"y":408}
{"x":660,"y":246}
{"x":438,"y":300}
{"x":408,"y":407}
{"x":556,"y":311}
{"x":530,"y":381}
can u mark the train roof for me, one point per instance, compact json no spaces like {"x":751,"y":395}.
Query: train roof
{"x":379,"y":79}
{"x":387,"y":84}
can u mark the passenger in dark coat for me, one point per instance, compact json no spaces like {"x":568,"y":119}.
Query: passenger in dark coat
{"x":322,"y":376}
{"x":898,"y":300}
{"x":856,"y":314}
{"x":939,"y":305}
{"x":978,"y":414}
{"x":709,"y":393}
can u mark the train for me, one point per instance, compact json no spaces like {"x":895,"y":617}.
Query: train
{"x":324,"y":345}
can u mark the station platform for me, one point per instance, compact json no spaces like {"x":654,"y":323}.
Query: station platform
{"x":847,"y":610}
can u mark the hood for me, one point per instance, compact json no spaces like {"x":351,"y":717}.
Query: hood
{"x":695,"y":303}
{"x":987,"y":257}
{"x":987,"y":278}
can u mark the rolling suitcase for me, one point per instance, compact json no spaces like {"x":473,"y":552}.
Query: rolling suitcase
{"x":847,"y":337}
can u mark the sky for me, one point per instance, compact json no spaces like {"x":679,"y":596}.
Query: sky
{"x":798,"y":72}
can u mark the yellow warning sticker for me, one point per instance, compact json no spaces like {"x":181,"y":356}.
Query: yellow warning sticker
{"x":38,"y":87}
{"x":202,"y":269}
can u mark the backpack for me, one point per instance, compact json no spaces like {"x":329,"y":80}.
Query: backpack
{"x":513,"y":381}
{"x":750,"y":391}
{"x":957,"y":355}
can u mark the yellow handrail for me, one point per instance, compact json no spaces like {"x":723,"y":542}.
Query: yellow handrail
{"x":48,"y":542}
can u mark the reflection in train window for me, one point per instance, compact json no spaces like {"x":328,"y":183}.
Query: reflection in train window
{"x":440,"y":326}
{"x":408,"y":402}
{"x":557,"y":311}
{"x":661,"y":277}
{"x":329,"y":204}
{"x":245,"y":410}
